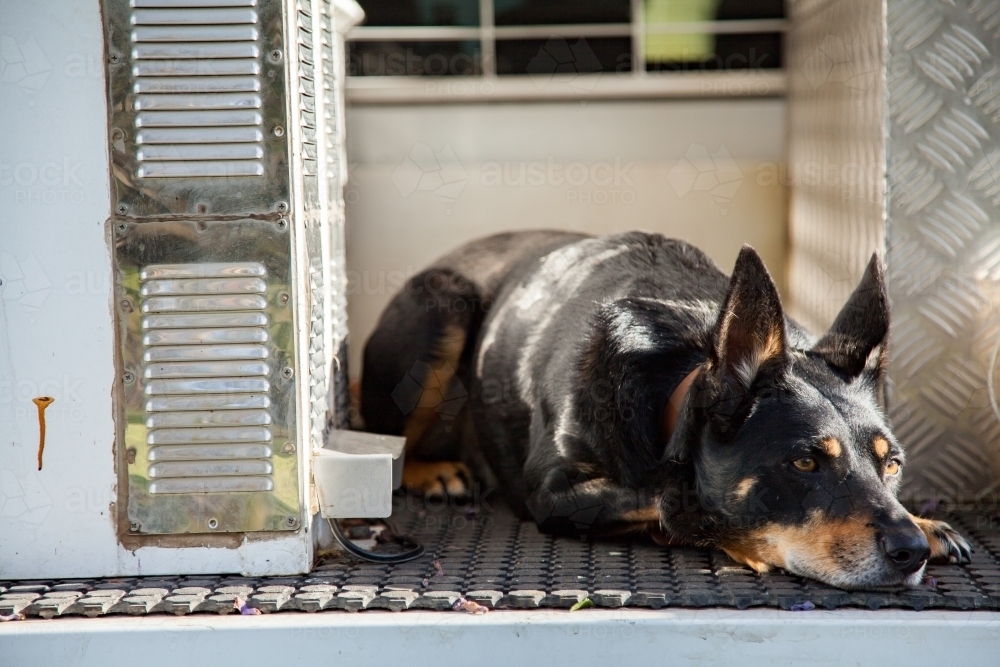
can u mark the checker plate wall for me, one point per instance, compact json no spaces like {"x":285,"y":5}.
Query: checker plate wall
{"x":943,"y":241}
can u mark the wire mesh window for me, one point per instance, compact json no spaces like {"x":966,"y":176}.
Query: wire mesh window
{"x":497,"y":38}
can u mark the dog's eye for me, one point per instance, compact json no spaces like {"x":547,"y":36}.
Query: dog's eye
{"x":805,"y":464}
{"x":892,"y":468}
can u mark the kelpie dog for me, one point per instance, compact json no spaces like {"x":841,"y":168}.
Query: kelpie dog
{"x":623,"y":383}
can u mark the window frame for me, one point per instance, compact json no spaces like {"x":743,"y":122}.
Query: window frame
{"x":635,"y":84}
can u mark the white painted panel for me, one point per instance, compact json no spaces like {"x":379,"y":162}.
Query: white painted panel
{"x":56,"y":326}
{"x":669,"y":637}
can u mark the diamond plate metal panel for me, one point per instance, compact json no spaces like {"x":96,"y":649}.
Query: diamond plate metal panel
{"x":943,"y":242}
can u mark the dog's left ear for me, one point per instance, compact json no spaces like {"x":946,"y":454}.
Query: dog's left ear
{"x":750,"y":331}
{"x":856,"y":341}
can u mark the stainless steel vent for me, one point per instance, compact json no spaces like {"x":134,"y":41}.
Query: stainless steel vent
{"x":197,"y":89}
{"x":208,"y":347}
{"x":205,"y":366}
{"x":197,"y":123}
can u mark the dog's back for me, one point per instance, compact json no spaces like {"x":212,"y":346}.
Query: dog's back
{"x":416,"y":375}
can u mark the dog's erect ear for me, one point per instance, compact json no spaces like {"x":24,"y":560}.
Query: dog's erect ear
{"x":750,"y":331}
{"x":861,"y":328}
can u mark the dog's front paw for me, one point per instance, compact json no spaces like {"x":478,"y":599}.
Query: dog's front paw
{"x":437,"y":478}
{"x":947,"y":545}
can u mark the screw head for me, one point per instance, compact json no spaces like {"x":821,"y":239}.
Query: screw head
{"x":128,"y":377}
{"x":287,"y":372}
{"x":283,"y":224}
{"x":121,"y":209}
{"x":290,"y":521}
{"x":288,"y":448}
{"x":134,"y":527}
{"x":114,"y":58}
{"x":213,"y":523}
{"x":281,"y":206}
{"x":274,"y":55}
{"x":121,"y":227}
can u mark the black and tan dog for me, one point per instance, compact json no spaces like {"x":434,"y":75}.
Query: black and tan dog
{"x":624,"y":383}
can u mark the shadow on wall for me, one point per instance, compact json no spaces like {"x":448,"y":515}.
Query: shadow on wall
{"x":424,"y":180}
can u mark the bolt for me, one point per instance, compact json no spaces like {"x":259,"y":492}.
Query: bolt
{"x":122,"y":209}
{"x":288,"y":448}
{"x":134,"y":527}
{"x":281,"y":206}
{"x":128,"y":377}
{"x":279,"y":131}
{"x":287,"y":372}
{"x":213,"y":523}
{"x":283,"y":298}
{"x":283,"y":224}
{"x":290,"y":521}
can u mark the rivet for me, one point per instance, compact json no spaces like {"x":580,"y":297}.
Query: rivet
{"x":126,"y":305}
{"x":279,"y":131}
{"x":287,"y":372}
{"x":283,"y":298}
{"x":117,"y":134}
{"x":213,"y":523}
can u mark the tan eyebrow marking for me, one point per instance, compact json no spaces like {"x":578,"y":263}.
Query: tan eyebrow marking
{"x":832,"y":447}
{"x":743,"y":488}
{"x":881,"y":446}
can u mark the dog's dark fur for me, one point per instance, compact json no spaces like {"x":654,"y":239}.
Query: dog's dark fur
{"x":545,"y":362}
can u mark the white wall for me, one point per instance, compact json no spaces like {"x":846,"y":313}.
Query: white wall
{"x":424,"y":179}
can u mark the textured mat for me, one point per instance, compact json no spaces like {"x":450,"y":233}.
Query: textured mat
{"x":500,"y":562}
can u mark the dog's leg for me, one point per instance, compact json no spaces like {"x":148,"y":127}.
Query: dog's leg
{"x":569,"y":502}
{"x":946,"y":544}
{"x":414,"y":381}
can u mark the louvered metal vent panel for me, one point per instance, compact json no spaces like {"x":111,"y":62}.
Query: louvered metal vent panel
{"x":198,"y":120}
{"x":195,"y":443}
{"x":174,"y":75}
{"x":208,"y":354}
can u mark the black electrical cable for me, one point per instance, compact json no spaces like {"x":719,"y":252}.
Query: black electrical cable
{"x":416,"y":549}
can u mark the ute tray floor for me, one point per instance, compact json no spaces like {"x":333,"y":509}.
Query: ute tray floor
{"x":489,"y":556}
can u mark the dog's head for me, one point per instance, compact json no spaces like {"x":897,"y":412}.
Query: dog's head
{"x":792,"y":454}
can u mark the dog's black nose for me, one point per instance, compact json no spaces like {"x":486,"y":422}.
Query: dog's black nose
{"x":905,"y":546}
